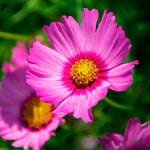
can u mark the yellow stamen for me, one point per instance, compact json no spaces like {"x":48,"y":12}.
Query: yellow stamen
{"x":36,"y":114}
{"x":83,"y":72}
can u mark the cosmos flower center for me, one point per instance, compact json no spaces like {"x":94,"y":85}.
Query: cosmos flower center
{"x":36,"y":114}
{"x":83,"y":72}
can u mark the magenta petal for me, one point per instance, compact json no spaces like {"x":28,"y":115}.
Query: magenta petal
{"x":45,"y":61}
{"x":54,"y":123}
{"x":74,"y":32}
{"x":65,"y":38}
{"x":96,"y":92}
{"x":110,"y":42}
{"x":107,"y":22}
{"x":19,"y":55}
{"x":46,"y":136}
{"x":12,"y":83}
{"x":114,"y":142}
{"x":46,"y":72}
{"x":116,"y":137}
{"x":18,"y":59}
{"x":119,"y":77}
{"x":23,"y":142}
{"x":13,"y":133}
{"x":50,"y":90}
{"x":77,"y":104}
{"x":105,"y":144}
{"x":36,"y":139}
{"x":88,"y":27}
{"x":7,"y":68}
{"x":137,"y":136}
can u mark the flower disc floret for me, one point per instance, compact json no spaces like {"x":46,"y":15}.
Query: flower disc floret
{"x":36,"y":114}
{"x":83,"y":72}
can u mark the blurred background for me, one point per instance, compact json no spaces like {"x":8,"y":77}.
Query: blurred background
{"x":26,"y":18}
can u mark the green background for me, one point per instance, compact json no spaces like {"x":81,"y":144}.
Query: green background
{"x":26,"y":17}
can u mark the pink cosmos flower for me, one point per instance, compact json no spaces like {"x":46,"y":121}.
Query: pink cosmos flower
{"x":83,"y":63}
{"x":18,"y":59}
{"x":23,"y":117}
{"x":136,"y":137}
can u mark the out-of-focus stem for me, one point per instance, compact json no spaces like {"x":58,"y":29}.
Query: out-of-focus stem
{"x":13,"y":36}
{"x":116,"y":105}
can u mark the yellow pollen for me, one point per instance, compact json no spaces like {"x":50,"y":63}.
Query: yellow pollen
{"x":36,"y":114}
{"x":83,"y":72}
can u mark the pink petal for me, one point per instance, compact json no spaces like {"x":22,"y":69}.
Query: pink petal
{"x":74,"y":31}
{"x":88,"y":27}
{"x":50,"y":90}
{"x":64,"y":38}
{"x":23,"y":142}
{"x":18,"y":59}
{"x":12,"y":133}
{"x":11,"y":129}
{"x":45,"y":61}
{"x":117,"y":140}
{"x":81,"y":109}
{"x":7,"y":68}
{"x":46,"y":72}
{"x":81,"y":101}
{"x":35,"y":139}
{"x":114,"y":142}
{"x":47,"y":131}
{"x":12,"y":83}
{"x":110,"y":42}
{"x":119,"y":77}
{"x":19,"y":55}
{"x":43,"y":137}
{"x":105,"y":144}
{"x":137,"y":136}
{"x":9,"y":110}
{"x":77,"y":104}
{"x":34,"y":143}
{"x":96,"y":92}
{"x":54,"y":123}
{"x":106,"y":21}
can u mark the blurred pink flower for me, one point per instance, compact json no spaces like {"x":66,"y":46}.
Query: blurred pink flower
{"x":136,"y":137}
{"x":82,"y":64}
{"x":18,"y":58}
{"x":23,"y":117}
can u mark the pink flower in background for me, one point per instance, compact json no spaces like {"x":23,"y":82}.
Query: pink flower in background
{"x":18,"y":59}
{"x":136,"y":137}
{"x":23,"y":117}
{"x":83,"y":63}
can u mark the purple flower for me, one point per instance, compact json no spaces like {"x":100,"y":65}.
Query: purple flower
{"x":136,"y":137}
{"x":23,"y":117}
{"x":83,"y":63}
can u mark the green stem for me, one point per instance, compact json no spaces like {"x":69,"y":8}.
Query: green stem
{"x":116,"y":105}
{"x":13,"y":36}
